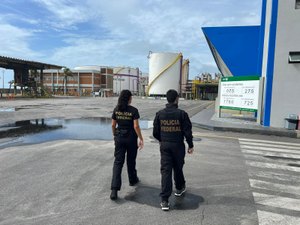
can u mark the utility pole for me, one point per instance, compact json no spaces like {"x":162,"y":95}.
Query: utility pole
{"x":3,"y":70}
{"x":2,"y":92}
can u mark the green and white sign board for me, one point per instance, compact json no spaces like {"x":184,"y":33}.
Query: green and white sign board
{"x":240,"y":93}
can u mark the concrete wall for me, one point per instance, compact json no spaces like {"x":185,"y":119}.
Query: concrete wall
{"x":286,"y":77}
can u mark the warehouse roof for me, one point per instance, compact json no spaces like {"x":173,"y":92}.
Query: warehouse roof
{"x":14,"y":63}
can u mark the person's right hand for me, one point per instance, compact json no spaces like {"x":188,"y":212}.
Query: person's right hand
{"x":141,"y":144}
{"x":190,"y":150}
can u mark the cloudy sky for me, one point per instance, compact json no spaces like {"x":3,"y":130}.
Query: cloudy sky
{"x":117,"y":32}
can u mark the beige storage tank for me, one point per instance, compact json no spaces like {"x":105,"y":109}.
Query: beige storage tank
{"x":164,"y":73}
{"x":126,"y":78}
{"x":184,"y":75}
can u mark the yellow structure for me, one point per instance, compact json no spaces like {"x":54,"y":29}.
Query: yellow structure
{"x":195,"y":84}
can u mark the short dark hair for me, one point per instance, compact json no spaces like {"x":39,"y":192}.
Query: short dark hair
{"x":172,"y":95}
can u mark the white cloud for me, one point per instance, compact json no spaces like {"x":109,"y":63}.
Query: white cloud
{"x":173,"y":25}
{"x":132,"y":28}
{"x":87,"y":51}
{"x":15,"y":42}
{"x":65,"y":14}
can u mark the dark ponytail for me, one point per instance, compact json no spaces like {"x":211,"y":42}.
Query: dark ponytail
{"x":123,"y":100}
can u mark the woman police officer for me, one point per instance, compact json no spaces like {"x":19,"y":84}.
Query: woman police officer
{"x":126,"y":131}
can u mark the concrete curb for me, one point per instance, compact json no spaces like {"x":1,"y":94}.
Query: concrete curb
{"x":263,"y":131}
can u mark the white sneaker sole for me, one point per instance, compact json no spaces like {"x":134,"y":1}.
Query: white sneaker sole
{"x":165,"y":208}
{"x":181,"y":193}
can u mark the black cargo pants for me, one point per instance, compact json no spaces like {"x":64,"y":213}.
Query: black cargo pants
{"x":124,"y":145}
{"x":172,"y":158}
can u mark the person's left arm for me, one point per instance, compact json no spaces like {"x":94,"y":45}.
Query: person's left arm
{"x":113,"y":126}
{"x":187,"y":132}
{"x":139,"y":133}
{"x":113,"y":123}
{"x":137,"y":129}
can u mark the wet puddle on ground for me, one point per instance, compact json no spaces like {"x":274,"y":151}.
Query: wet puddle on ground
{"x":44,"y":130}
{"x":8,"y":109}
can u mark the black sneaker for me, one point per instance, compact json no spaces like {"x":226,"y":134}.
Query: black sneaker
{"x":134,"y":183}
{"x":178,"y":193}
{"x":165,"y":206}
{"x":114,"y":195}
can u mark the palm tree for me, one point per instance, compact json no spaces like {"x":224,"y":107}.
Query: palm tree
{"x":10,"y":84}
{"x":67,"y":73}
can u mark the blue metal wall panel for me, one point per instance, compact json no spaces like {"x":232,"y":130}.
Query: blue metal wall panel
{"x":238,"y":46}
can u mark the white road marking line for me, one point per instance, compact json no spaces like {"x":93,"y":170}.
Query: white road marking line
{"x":274,"y":176}
{"x":254,"y":152}
{"x":269,"y":160}
{"x":275,"y":187}
{"x":270,"y":153}
{"x":269,"y":149}
{"x":268,"y":218}
{"x":277,"y":201}
{"x":273,"y":166}
{"x":271,"y":145}
{"x":266,"y":141}
{"x":206,"y":135}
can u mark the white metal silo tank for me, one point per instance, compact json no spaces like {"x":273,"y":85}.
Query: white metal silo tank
{"x":164,"y":73}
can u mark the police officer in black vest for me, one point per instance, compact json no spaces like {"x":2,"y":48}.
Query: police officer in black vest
{"x":170,"y":126}
{"x":126,"y":131}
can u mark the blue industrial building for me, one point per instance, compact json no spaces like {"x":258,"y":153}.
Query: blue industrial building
{"x":270,"y":51}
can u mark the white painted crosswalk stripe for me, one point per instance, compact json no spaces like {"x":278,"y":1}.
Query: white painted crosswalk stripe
{"x":270,"y":149}
{"x":270,"y":159}
{"x":276,"y":176}
{"x":270,"y":153}
{"x":276,"y":187}
{"x":277,"y":201}
{"x":273,"y":166}
{"x":266,"y":141}
{"x":269,"y":218}
{"x":274,"y":171}
{"x":270,"y":145}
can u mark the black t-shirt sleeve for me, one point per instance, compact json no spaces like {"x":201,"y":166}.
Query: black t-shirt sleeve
{"x":136,"y":114}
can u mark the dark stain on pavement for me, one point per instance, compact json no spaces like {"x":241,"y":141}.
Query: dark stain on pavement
{"x":148,"y":195}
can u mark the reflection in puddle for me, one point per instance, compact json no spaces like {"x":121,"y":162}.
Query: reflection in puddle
{"x":7,"y":109}
{"x":43,"y":130}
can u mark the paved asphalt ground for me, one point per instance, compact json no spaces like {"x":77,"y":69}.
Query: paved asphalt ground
{"x":68,"y":181}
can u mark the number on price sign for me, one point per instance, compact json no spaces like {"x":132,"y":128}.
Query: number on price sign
{"x":248,"y":90}
{"x":248,"y":102}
